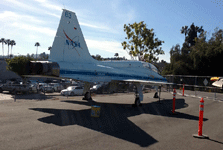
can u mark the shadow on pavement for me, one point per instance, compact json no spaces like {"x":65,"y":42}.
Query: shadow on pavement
{"x":33,"y":96}
{"x":114,"y":118}
{"x":215,"y":141}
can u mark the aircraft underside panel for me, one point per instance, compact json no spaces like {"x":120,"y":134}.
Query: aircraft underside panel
{"x":92,"y":76}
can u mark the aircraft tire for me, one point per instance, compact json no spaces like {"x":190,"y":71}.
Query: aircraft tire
{"x":137,"y":102}
{"x":72,"y":93}
{"x":87,"y":96}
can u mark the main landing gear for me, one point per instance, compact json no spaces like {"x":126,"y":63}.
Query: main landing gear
{"x":87,"y":95}
{"x":138,"y":95}
{"x":158,"y":93}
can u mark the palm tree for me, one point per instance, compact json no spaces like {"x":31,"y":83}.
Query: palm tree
{"x":3,"y":42}
{"x":12,"y":43}
{"x":8,"y":42}
{"x":37,"y":44}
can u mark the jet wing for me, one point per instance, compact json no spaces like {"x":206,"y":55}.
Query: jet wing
{"x":148,"y":82}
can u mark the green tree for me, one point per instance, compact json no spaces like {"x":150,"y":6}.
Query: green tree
{"x":190,"y":35}
{"x":8,"y":43}
{"x":44,"y":56}
{"x":97,"y":57}
{"x":12,"y":43}
{"x":37,"y":45}
{"x":142,"y":42}
{"x":28,"y":55}
{"x":32,"y":56}
{"x":198,"y":55}
{"x":187,"y":60}
{"x":203,"y":59}
{"x":3,"y":41}
{"x":116,"y":55}
{"x":18,"y":63}
{"x":175,"y":53}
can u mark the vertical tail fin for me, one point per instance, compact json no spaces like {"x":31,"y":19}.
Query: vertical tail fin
{"x":69,"y":44}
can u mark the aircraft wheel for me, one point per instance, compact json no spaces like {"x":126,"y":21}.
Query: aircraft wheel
{"x":137,"y":102}
{"x":155,"y":95}
{"x":87,"y":96}
{"x":72,"y":93}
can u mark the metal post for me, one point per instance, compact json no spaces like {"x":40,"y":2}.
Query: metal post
{"x":195,"y":86}
{"x":172,"y":82}
{"x":44,"y":92}
{"x":215,"y":96}
{"x":159,"y":93}
{"x":183,"y":90}
{"x":174,"y":99}
{"x":15,"y":96}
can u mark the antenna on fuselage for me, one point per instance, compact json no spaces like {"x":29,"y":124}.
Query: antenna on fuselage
{"x":64,"y":6}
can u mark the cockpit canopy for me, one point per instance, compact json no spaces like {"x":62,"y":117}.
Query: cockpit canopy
{"x":150,"y":66}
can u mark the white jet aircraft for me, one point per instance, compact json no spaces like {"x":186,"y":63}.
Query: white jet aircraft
{"x":70,"y":58}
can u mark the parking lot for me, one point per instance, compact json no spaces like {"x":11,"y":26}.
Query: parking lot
{"x":58,"y":122}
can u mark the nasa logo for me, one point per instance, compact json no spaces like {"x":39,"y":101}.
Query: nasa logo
{"x":73,"y":43}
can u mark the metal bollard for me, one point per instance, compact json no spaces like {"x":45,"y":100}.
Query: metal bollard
{"x":174,"y":99}
{"x":15,"y":96}
{"x":183,"y":90}
{"x":201,"y":112}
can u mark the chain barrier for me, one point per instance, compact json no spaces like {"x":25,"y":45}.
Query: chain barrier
{"x":194,"y":86}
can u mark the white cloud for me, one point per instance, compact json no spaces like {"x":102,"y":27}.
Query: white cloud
{"x":25,"y":22}
{"x":92,"y":25}
{"x":49,"y":5}
{"x":28,"y":27}
{"x":28,"y":6}
{"x":124,"y":14}
{"x":9,"y":16}
{"x":16,"y":3}
{"x":52,"y":14}
{"x":108,"y":46}
{"x":41,"y":1}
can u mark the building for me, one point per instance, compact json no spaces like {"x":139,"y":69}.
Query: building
{"x":5,"y":74}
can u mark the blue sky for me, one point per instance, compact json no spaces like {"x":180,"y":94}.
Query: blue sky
{"x":102,"y":21}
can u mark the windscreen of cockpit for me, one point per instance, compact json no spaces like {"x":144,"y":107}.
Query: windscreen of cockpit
{"x":150,"y":66}
{"x":154,"y":68}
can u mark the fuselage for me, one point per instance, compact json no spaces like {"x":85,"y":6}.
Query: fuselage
{"x":105,"y":71}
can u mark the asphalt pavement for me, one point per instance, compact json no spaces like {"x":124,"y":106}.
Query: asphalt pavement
{"x":56,"y":122}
